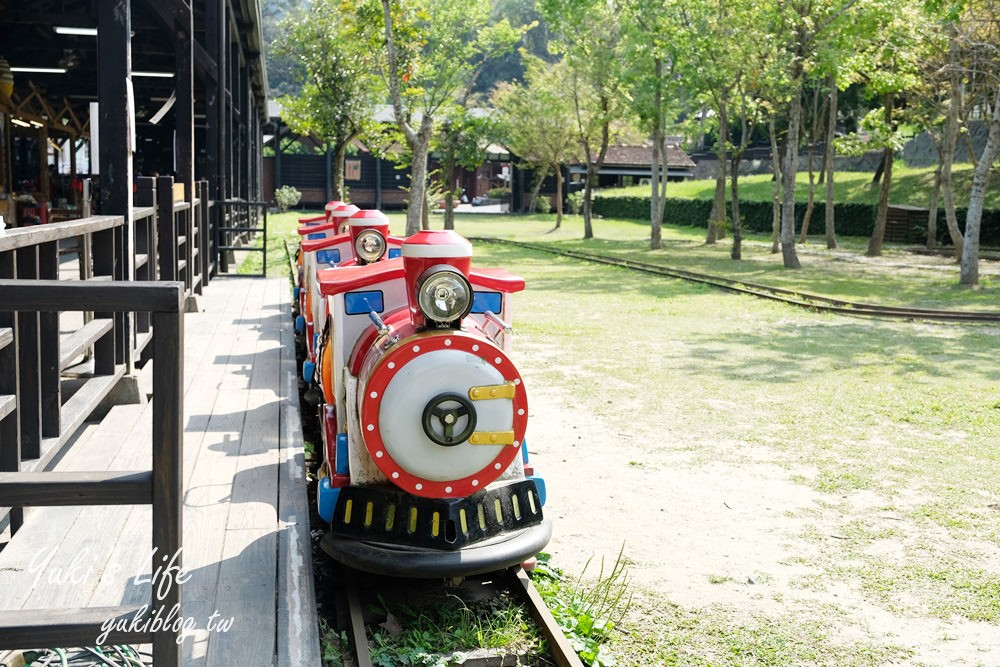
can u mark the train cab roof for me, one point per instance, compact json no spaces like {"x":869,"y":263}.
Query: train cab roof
{"x":345,"y":279}
{"x":312,"y":245}
{"x":305,"y":230}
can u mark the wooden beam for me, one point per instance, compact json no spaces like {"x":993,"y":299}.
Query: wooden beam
{"x":68,"y":489}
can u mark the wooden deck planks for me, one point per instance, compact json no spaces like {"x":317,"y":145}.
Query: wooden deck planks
{"x":241,"y":456}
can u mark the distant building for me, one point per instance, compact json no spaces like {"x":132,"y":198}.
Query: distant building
{"x":623,"y":166}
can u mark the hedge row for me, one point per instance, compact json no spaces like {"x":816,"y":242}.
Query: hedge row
{"x":852,"y":219}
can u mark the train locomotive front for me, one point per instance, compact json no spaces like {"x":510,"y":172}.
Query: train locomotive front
{"x":433,"y":414}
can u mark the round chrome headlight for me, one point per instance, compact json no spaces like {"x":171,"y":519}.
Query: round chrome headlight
{"x":444,"y":296}
{"x":370,"y":246}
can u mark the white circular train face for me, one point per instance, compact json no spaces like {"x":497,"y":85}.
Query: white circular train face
{"x":444,"y":415}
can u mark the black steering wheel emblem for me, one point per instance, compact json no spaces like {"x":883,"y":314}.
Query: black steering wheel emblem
{"x":449,"y":419}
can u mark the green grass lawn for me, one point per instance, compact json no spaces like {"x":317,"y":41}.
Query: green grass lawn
{"x":904,"y":416}
{"x":910,"y":185}
{"x":876,"y":418}
{"x":898,"y":278}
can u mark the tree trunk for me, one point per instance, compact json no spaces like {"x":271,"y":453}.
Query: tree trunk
{"x":418,"y":188}
{"x":817,"y":118}
{"x":776,"y":200}
{"x":882,"y":213}
{"x":804,"y":233}
{"x":948,"y":144}
{"x":448,"y":176}
{"x":717,"y":225}
{"x":789,"y":256}
{"x":588,"y":194}
{"x":425,"y":214}
{"x":559,"y":194}
{"x":338,"y":170}
{"x":932,"y":209}
{"x":657,"y":201}
{"x":879,"y":170}
{"x":541,"y":171}
{"x":969,"y":273}
{"x":737,"y":251}
{"x":831,"y":133}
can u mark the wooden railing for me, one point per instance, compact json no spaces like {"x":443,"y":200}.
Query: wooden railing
{"x":171,"y":242}
{"x":161,"y":487}
{"x":238,"y":224}
{"x":181,"y":237}
{"x":35,"y":422}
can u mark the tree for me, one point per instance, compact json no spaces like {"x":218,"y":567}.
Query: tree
{"x":460,"y":140}
{"x":336,"y":102}
{"x":713,"y":72}
{"x":429,"y":53}
{"x":655,"y":94}
{"x":589,"y":35}
{"x":889,"y":63}
{"x":980,"y":35}
{"x":802,"y":27}
{"x":536,"y":120}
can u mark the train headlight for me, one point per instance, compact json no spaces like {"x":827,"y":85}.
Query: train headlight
{"x":370,"y":246}
{"x":444,"y":296}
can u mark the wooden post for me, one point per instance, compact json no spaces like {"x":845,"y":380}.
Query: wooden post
{"x":48,"y":322}
{"x":166,"y":229}
{"x":29,"y":388}
{"x":145,"y":241}
{"x":10,"y":425}
{"x":114,"y":72}
{"x":168,"y":472}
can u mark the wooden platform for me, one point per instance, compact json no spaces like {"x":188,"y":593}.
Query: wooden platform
{"x":246,"y":526}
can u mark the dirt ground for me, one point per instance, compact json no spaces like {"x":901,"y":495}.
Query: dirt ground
{"x":711,"y":535}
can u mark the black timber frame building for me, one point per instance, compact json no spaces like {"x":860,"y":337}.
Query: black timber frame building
{"x":179,"y":85}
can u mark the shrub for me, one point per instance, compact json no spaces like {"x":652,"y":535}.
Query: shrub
{"x":575,"y":201}
{"x":503,"y":194}
{"x":543,"y":204}
{"x":287,"y":197}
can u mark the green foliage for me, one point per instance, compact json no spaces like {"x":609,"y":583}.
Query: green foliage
{"x":575,"y":201}
{"x":586,"y":612}
{"x":543,"y":204}
{"x":853,"y":219}
{"x":501,"y":193}
{"x":535,"y":119}
{"x":339,"y":89}
{"x":437,"y":634}
{"x":286,"y":197}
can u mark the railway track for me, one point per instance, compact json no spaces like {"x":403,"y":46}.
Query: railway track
{"x":813,"y":302}
{"x":361,"y":592}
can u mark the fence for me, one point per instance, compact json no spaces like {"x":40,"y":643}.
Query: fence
{"x":240,"y":222}
{"x":160,"y":487}
{"x":170,"y":243}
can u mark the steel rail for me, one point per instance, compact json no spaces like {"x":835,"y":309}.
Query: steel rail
{"x":514,"y":580}
{"x":813,"y":302}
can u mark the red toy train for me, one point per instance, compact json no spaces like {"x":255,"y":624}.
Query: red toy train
{"x":423,"y":412}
